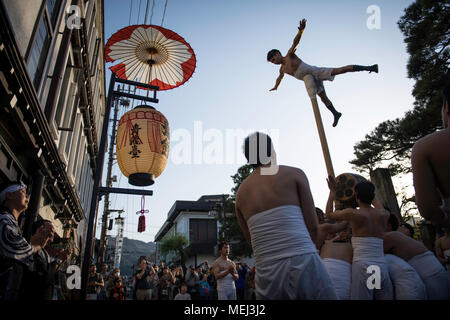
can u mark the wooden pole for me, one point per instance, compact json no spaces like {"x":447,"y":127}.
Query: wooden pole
{"x":310,"y":85}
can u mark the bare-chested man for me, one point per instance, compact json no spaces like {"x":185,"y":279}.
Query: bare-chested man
{"x":443,"y":249}
{"x":336,"y":252}
{"x":368,"y":226}
{"x":294,"y":66}
{"x":225,"y":272}
{"x":430,"y":159}
{"x":277,"y":215}
{"x":430,"y":270}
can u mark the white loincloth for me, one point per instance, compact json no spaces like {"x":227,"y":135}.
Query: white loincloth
{"x":433,"y":274}
{"x":226,"y":289}
{"x":318,"y":73}
{"x":286,"y":260}
{"x":367,"y":254}
{"x":341,"y":275}
{"x":406,"y":282}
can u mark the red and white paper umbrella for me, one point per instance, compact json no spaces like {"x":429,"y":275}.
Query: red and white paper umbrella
{"x":151,"y":54}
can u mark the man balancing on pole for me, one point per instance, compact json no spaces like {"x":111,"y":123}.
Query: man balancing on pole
{"x":294,"y":66}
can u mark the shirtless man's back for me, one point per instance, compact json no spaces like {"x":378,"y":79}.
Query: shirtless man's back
{"x":289,"y":186}
{"x":430,"y":159}
{"x":277,"y":216}
{"x":368,"y":227}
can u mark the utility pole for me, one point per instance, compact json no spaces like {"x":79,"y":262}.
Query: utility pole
{"x":224,"y":210}
{"x":109,"y":181}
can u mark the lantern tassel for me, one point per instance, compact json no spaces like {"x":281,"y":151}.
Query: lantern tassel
{"x":141,"y":223}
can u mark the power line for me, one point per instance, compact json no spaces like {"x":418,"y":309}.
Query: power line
{"x":151,"y":16}
{"x":164,"y":14}
{"x":139,"y":11}
{"x":146,"y":12}
{"x":131,"y":9}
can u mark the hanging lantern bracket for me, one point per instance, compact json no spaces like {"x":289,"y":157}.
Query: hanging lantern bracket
{"x":137,"y":84}
{"x":133,"y":96}
{"x":103,"y":190}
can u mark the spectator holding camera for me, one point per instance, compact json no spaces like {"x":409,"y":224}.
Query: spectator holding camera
{"x":142,"y":286}
{"x":212,"y":284}
{"x":179,"y":279}
{"x":242,"y":270}
{"x":153,"y":279}
{"x":192,"y":279}
{"x":165,"y":284}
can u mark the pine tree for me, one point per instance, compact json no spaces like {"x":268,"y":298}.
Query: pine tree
{"x":425,"y":25}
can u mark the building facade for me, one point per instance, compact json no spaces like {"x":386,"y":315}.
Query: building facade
{"x":52,"y":102}
{"x":197,"y":221}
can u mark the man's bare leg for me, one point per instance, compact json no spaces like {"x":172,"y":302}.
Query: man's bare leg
{"x":354,"y":68}
{"x":329,"y":105}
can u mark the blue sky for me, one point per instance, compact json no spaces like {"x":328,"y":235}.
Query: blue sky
{"x":230,"y":87}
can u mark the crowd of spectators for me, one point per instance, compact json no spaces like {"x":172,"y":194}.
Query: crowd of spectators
{"x":162,"y":282}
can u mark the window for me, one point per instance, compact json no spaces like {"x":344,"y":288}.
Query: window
{"x":202,"y":231}
{"x":64,"y":96}
{"x":91,"y":22}
{"x":76,"y":154}
{"x":38,"y":52}
{"x":72,"y":124}
{"x":69,"y":120}
{"x":53,"y":10}
{"x":95,"y":57}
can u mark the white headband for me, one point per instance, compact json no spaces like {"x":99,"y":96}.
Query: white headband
{"x":13,"y":188}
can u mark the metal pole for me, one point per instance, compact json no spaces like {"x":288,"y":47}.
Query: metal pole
{"x":223,"y":215}
{"x":101,"y":255}
{"x":103,"y":190}
{"x":97,"y":180}
{"x":311,"y":88}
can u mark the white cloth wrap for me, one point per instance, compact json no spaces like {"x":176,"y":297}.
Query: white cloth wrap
{"x":433,"y":274}
{"x":368,"y":251}
{"x":12,"y":188}
{"x":406,"y":281}
{"x":318,"y":73}
{"x":226,"y":287}
{"x":286,"y":260}
{"x":341,"y":275}
{"x":227,"y":293}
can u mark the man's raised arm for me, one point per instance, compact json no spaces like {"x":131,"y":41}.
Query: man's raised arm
{"x":296,"y":41}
